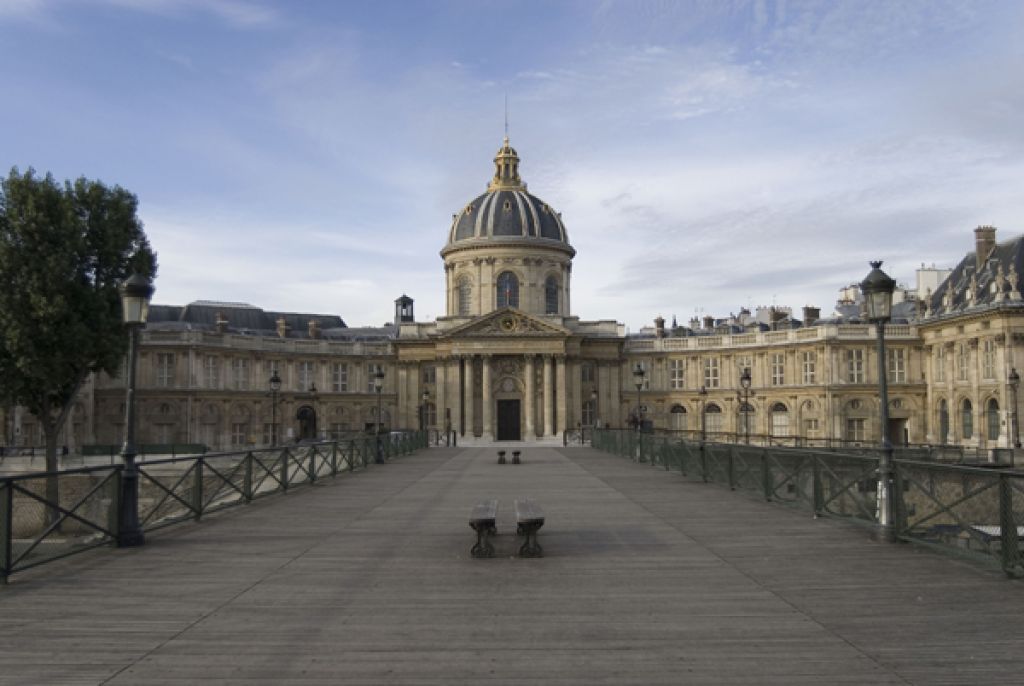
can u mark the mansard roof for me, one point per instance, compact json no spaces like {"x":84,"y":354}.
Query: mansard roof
{"x":971,"y":286}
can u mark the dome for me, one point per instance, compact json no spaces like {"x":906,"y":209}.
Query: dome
{"x":507,"y":212}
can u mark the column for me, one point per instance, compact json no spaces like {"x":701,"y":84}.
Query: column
{"x":576,"y":396}
{"x":613,"y":415}
{"x":455,"y":395}
{"x":563,"y":395}
{"x":549,"y":429}
{"x":467,"y":395}
{"x":488,"y":402}
{"x":402,"y":383}
{"x":531,"y":431}
{"x":440,"y":398}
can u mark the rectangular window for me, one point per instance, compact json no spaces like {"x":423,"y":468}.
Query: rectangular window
{"x":339,"y":377}
{"x":940,"y":362}
{"x":240,"y":373}
{"x":371,"y":372}
{"x":988,"y":366}
{"x":269,"y":434}
{"x":587,"y":372}
{"x":238,"y":433}
{"x":165,"y":370}
{"x":711,"y":377}
{"x":307,"y":371}
{"x":855,"y":429}
{"x":855,"y":366}
{"x":337,"y":430}
{"x":810,"y":365}
{"x":778,"y":369}
{"x":810,"y":425}
{"x":676,"y":372}
{"x":962,"y":357}
{"x":211,"y":371}
{"x":430,"y":375}
{"x":897,"y":365}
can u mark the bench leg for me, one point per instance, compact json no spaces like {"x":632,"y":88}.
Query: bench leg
{"x":530,"y":547}
{"x":483,"y":547}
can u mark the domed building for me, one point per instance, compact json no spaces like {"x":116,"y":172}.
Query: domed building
{"x":508,"y":361}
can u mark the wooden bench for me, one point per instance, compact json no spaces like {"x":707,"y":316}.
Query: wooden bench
{"x":482,"y":520}
{"x":515,"y":457}
{"x":529,"y":520}
{"x":501,"y":457}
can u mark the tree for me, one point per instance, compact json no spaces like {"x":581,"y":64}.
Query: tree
{"x":64,"y":250}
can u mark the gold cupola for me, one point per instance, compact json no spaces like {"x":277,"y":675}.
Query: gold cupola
{"x":506,"y":170}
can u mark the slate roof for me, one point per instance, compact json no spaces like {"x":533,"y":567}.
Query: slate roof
{"x":969,"y":287}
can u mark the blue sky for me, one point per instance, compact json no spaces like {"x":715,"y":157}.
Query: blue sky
{"x":706,"y":156}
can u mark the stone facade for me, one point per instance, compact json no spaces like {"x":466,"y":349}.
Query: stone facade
{"x":509,"y":361}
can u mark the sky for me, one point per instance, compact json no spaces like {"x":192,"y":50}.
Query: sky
{"x":705,"y":155}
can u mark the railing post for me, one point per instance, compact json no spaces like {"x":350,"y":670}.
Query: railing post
{"x":284,"y":469}
{"x":197,"y":490}
{"x":817,"y":495}
{"x":1008,"y":529}
{"x":703,"y":462}
{"x":313,"y":452}
{"x":247,"y":478}
{"x":6,"y":530}
{"x":732,"y":468}
{"x":334,"y":458}
{"x":766,"y":475}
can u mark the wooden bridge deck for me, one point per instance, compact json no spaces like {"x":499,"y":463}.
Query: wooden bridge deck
{"x":647,"y":579}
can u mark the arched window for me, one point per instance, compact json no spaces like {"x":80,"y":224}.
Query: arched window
{"x":745,"y":425}
{"x":780,"y":420}
{"x":967,"y":418}
{"x":678,"y":416}
{"x":551,"y":295}
{"x":943,"y":422}
{"x":465,"y":296}
{"x":992,"y":419}
{"x":508,"y":290}
{"x":713,"y":418}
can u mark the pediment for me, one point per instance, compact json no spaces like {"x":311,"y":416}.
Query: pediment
{"x":508,"y":322}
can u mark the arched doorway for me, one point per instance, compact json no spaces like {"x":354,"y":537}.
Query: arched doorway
{"x":307,"y":423}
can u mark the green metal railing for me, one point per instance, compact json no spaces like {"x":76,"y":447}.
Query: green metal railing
{"x":35,"y":529}
{"x":973,"y":511}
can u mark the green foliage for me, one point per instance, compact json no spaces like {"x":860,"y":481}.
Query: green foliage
{"x":64,"y":249}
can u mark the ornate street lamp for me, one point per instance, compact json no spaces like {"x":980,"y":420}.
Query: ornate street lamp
{"x":135,"y":295}
{"x":378,"y":385}
{"x":638,"y":380}
{"x":1014,"y":381}
{"x":745,"y":409}
{"x":313,"y":398}
{"x":275,"y":388}
{"x":878,"y":288}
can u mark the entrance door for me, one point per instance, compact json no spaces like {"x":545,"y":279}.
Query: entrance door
{"x":307,"y":423}
{"x":508,"y":420}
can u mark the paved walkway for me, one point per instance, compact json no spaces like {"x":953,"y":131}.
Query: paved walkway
{"x":647,"y":580}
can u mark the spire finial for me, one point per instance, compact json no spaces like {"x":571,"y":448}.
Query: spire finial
{"x":506,"y":117}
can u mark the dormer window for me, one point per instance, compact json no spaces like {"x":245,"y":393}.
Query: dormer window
{"x":508,"y":205}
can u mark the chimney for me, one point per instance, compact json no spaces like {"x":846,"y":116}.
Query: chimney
{"x":811,"y":315}
{"x":984,"y":244}
{"x":659,"y":326}
{"x":282,"y":328}
{"x":314,"y":328}
{"x":709,"y":322}
{"x":222,"y":323}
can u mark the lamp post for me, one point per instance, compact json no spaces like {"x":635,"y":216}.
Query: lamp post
{"x":745,"y":408}
{"x":1014,"y":380}
{"x":135,"y":294}
{"x":877,"y":288}
{"x":275,"y":388}
{"x":638,"y":380}
{"x":423,"y":410}
{"x":313,"y":398}
{"x":378,"y":385}
{"x":703,"y":414}
{"x":593,"y":403}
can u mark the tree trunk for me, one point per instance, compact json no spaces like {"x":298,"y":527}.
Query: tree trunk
{"x":51,"y":430}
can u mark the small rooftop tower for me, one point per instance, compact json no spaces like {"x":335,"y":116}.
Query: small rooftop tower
{"x":403,"y":311}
